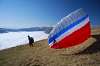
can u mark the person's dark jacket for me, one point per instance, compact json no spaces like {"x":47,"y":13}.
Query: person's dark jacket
{"x":31,"y":40}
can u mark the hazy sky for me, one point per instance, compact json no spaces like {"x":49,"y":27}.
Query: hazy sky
{"x":30,"y":13}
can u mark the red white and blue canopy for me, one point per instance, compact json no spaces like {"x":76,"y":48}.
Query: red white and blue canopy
{"x":70,"y":31}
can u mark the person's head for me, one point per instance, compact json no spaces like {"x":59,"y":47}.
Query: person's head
{"x":28,"y":36}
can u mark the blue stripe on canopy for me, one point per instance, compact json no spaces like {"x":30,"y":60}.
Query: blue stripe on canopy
{"x":66,"y":29}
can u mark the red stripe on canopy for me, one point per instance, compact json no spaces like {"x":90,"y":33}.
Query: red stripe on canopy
{"x":75,"y":38}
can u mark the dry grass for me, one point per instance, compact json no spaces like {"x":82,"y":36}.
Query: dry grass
{"x":42,"y":55}
{"x":96,"y":31}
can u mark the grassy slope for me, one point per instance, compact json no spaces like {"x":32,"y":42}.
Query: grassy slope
{"x":42,"y":55}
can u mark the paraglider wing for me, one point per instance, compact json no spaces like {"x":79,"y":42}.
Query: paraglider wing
{"x":70,"y":31}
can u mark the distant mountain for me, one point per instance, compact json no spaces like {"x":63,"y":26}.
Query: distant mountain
{"x":46,"y":29}
{"x":2,"y":30}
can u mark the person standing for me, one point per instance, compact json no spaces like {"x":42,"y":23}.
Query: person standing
{"x":31,"y":41}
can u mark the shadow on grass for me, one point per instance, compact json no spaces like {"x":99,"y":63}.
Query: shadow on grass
{"x":95,"y":47}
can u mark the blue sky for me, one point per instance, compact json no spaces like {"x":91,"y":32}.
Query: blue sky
{"x":30,"y":13}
